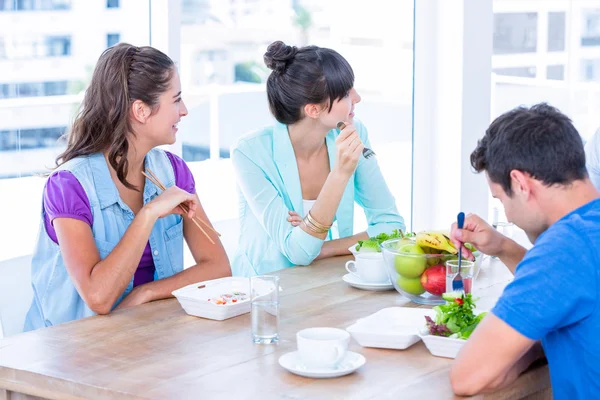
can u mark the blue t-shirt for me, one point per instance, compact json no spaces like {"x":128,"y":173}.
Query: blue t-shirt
{"x":554,"y":298}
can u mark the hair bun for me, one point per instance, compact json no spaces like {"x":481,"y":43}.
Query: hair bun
{"x":278,"y":56}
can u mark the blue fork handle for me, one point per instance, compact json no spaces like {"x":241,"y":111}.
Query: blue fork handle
{"x":458,"y":284}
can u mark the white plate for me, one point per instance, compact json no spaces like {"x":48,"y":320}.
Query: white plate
{"x":441,"y":346}
{"x":357,"y":283}
{"x":390,"y":328}
{"x":351,"y":362}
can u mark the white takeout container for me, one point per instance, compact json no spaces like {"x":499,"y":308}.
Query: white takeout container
{"x":390,"y":328}
{"x":441,"y":346}
{"x":194,"y":298}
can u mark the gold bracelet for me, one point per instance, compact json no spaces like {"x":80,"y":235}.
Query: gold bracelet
{"x":312,"y":227}
{"x":317,"y":224}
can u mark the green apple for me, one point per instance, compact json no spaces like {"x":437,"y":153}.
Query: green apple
{"x":413,"y":263}
{"x":403,"y":242}
{"x":410,"y":285}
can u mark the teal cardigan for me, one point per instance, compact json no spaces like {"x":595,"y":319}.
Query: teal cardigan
{"x":269,"y":186}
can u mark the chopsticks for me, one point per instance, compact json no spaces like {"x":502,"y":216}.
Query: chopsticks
{"x":154,"y":179}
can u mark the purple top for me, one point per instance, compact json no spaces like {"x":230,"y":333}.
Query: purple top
{"x":64,"y":197}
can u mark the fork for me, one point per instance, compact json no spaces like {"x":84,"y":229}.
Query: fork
{"x":457,"y":282}
{"x":367,"y":153}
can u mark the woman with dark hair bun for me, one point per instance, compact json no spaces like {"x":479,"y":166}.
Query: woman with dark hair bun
{"x":108,"y":237}
{"x":299,"y":178}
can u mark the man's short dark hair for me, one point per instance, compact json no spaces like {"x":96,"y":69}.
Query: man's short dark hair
{"x":539,"y":140}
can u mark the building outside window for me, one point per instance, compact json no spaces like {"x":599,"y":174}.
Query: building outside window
{"x":112,"y":39}
{"x":590,"y":35}
{"x":57,"y":46}
{"x":515,"y":33}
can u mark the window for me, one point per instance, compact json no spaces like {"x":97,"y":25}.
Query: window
{"x":57,"y":46}
{"x":55,"y":88}
{"x":112,"y":39}
{"x":34,"y":5}
{"x":590,"y":70}
{"x":25,"y":139}
{"x":556,"y":31}
{"x":555,"y":72}
{"x":37,"y":105}
{"x":224,"y":75}
{"x":112,"y":3}
{"x":515,"y":33}
{"x":590,"y":35}
{"x":525,"y":72}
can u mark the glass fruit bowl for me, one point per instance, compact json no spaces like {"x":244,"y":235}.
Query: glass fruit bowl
{"x":419,"y":272}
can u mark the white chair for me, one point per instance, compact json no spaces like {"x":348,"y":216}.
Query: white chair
{"x":15,"y":294}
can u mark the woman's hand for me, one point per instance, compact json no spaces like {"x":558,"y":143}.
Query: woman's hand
{"x":294,"y":218}
{"x":349,"y":149}
{"x":168,"y":203}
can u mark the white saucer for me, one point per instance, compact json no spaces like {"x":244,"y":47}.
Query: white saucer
{"x":351,"y":362}
{"x":357,"y":283}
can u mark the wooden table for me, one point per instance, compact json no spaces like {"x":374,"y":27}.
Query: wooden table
{"x":157,"y":351}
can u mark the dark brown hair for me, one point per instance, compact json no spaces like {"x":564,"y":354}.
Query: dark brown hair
{"x":539,"y":140}
{"x":123,"y":74}
{"x":305,"y":75}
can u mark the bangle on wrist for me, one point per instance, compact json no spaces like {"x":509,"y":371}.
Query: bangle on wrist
{"x":315,"y":226}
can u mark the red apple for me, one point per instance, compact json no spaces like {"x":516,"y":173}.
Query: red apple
{"x":434,"y":279}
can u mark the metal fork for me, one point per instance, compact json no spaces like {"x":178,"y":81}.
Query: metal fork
{"x":367,"y":152}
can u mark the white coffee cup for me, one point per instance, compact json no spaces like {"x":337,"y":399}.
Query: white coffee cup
{"x":322,"y":348}
{"x":368,"y":269}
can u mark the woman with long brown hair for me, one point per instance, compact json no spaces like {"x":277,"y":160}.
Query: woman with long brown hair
{"x":108,"y":237}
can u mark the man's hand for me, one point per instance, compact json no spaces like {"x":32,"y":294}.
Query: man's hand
{"x":480,"y":234}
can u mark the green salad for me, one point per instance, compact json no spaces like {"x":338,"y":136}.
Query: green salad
{"x":456,"y":318}
{"x":373,"y":244}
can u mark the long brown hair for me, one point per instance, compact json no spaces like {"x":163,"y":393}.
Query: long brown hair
{"x":123,"y":74}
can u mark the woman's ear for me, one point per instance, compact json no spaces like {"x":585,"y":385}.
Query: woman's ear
{"x":140,"y":111}
{"x":313,"y":110}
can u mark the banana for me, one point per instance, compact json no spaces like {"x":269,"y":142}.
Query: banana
{"x":436,"y":240}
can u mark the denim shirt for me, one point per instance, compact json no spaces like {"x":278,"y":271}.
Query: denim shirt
{"x":269,"y":186}
{"x":55,"y":298}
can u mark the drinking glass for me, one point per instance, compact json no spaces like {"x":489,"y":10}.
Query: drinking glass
{"x":264,"y":298}
{"x":466,"y":272}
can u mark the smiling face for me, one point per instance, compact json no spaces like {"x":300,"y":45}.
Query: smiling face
{"x":161,"y":126}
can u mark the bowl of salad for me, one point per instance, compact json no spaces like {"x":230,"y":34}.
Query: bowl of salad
{"x":453,"y":323}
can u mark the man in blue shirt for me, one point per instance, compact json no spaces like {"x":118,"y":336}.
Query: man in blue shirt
{"x":534,"y":161}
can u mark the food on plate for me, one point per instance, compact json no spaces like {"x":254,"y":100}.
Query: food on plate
{"x":433,"y":279}
{"x":410,"y":285}
{"x":409,"y":265}
{"x":372,"y":245}
{"x":456,"y":318}
{"x":229,"y":298}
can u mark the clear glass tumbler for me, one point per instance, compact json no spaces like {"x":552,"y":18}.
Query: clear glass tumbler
{"x":264,"y":295}
{"x":467,"y":269}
